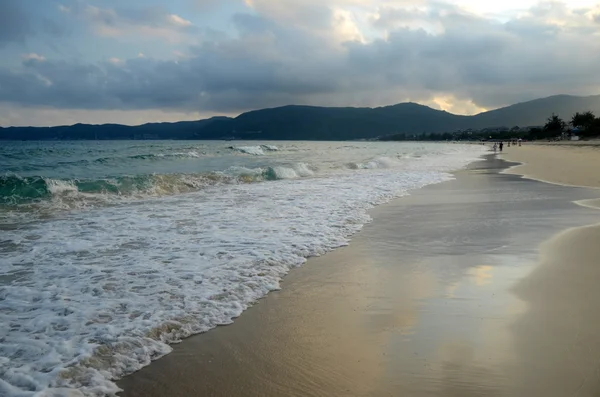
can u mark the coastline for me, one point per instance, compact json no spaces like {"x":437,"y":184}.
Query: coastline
{"x":562,"y":293}
{"x":561,"y":289}
{"x":423,"y":302}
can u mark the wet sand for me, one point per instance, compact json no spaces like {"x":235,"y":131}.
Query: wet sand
{"x":446,"y":293}
{"x":563,"y":355}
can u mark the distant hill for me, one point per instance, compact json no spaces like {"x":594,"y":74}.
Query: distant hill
{"x":537,"y":111}
{"x":321,"y":123}
{"x":178,"y":130}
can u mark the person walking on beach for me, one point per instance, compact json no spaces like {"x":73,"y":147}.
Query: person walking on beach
{"x":501,"y":145}
{"x":495,"y":146}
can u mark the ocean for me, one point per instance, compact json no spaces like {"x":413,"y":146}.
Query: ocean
{"x":113,"y":250}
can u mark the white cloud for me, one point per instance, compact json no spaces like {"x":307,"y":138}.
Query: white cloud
{"x":327,"y":52}
{"x":33,"y":57}
{"x":177,"y":20}
{"x":511,"y":6}
{"x":344,"y":26}
{"x":454,"y":105}
{"x":327,"y":20}
{"x":151,"y":23}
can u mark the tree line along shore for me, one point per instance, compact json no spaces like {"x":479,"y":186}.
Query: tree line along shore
{"x":583,"y":125}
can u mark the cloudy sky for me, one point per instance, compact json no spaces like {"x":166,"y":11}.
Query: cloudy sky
{"x":133,"y":61}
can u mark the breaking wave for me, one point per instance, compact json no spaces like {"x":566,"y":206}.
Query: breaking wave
{"x":90,"y":296}
{"x":377,"y":163}
{"x":78,"y":193}
{"x":149,"y":156}
{"x":254,"y":150}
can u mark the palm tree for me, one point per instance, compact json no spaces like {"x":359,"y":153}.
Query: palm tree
{"x":583,"y":120}
{"x":555,"y":124}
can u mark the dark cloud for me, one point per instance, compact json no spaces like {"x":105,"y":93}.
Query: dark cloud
{"x":14,"y":23}
{"x":18,"y":23}
{"x":125,"y":20}
{"x":53,"y":28}
{"x":490,"y":62}
{"x":272,"y":61}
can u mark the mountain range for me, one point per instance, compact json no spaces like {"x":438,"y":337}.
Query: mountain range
{"x":321,"y":123}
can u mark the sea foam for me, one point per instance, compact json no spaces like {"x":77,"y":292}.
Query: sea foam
{"x":97,"y":294}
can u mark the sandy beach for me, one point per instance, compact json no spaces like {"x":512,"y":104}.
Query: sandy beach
{"x":482,"y":286}
{"x":566,"y":164}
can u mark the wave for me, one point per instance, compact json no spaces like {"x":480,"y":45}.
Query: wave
{"x":299,"y":170}
{"x":253,"y":150}
{"x":108,"y":160}
{"x":15,"y":190}
{"x":38,"y":192}
{"x":103,"y":294}
{"x":377,"y":163}
{"x":74,"y":193}
{"x":258,"y":150}
{"x":192,"y":154}
{"x":141,"y":280}
{"x":79,"y":193}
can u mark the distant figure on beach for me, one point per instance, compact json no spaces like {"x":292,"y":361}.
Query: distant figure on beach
{"x":501,"y":145}
{"x":520,"y":141}
{"x":495,"y":146}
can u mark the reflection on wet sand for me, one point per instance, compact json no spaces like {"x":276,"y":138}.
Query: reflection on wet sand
{"x":420,"y":304}
{"x":461,"y":341}
{"x":326,"y":333}
{"x":482,"y":275}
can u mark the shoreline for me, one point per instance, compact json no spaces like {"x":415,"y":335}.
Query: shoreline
{"x":576,"y":246}
{"x":362,"y":305}
{"x":562,"y":293}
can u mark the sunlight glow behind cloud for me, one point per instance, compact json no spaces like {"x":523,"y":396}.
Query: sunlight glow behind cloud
{"x":229,"y":56}
{"x":504,"y":6}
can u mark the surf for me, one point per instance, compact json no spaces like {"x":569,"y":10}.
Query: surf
{"x":143,"y":261}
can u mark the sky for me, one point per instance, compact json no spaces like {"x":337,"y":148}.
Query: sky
{"x":136,"y":61}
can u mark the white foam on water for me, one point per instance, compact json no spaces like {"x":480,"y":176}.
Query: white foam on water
{"x":58,"y":187}
{"x":253,"y":150}
{"x":284,"y":173}
{"x":101,"y":293}
{"x":377,"y":163}
{"x":191,"y":154}
{"x":300,"y":170}
{"x":303,"y":170}
{"x":382,"y":162}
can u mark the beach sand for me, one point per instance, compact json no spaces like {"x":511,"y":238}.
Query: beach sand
{"x":558,"y":338}
{"x":568,"y":164}
{"x":474,"y":287}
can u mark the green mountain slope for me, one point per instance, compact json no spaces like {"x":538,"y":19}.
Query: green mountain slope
{"x":323,"y":123}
